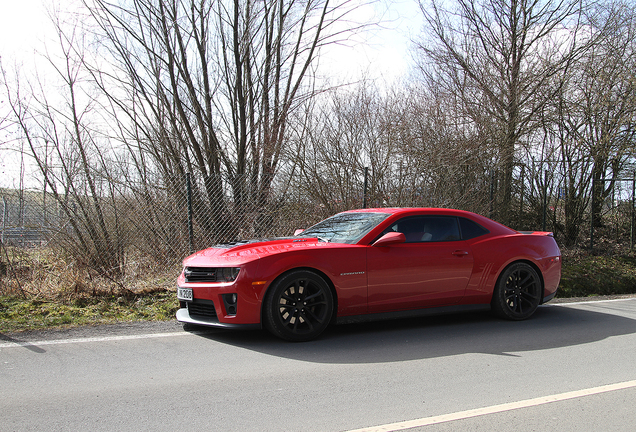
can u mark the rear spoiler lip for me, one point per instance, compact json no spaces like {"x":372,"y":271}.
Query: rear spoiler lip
{"x":543,"y":233}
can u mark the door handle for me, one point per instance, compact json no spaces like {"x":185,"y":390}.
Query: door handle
{"x":460,"y":253}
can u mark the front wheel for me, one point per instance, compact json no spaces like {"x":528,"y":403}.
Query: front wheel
{"x":517,"y":293}
{"x":298,"y":307}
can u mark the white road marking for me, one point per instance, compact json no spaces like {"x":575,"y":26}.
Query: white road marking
{"x":427,"y":421}
{"x":590,"y":302}
{"x":13,"y":344}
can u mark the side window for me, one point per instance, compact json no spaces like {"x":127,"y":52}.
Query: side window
{"x":443,"y":228}
{"x":471,"y":229}
{"x":412,"y":228}
{"x":427,"y":228}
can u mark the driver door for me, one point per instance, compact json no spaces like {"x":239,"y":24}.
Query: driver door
{"x":431,"y":269}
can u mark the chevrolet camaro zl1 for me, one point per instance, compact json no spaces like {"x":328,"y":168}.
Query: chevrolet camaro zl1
{"x":367,"y":265}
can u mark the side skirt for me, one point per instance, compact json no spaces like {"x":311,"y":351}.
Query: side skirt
{"x":444,"y":310}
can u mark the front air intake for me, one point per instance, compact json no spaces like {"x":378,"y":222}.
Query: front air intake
{"x":202,"y":308}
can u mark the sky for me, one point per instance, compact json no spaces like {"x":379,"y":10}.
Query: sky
{"x":23,"y":24}
{"x":382,"y":52}
{"x":22,"y":27}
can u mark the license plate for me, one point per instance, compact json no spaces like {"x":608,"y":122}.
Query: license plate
{"x":184,"y":293}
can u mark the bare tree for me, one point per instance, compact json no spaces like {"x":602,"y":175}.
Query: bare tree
{"x":444,"y":148}
{"x":418,"y":153}
{"x":343,"y":138}
{"x":57,"y":133}
{"x":588,"y":127}
{"x":569,"y":166}
{"x":501,"y":56}
{"x":603,"y":98}
{"x":210,"y":88}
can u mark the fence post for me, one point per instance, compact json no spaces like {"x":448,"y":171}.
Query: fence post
{"x":4,"y":218}
{"x":592,"y":214}
{"x":492,"y":194}
{"x":545,"y":200}
{"x":190,"y":230}
{"x":631,"y":225}
{"x":523,"y":191}
{"x":364,"y":196}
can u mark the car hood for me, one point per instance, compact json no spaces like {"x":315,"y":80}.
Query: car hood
{"x":240,"y":252}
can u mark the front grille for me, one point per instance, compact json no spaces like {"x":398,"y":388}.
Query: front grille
{"x":200,"y":274}
{"x":202,"y":308}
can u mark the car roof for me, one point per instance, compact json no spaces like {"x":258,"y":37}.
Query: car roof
{"x":396,"y":212}
{"x":401,"y":210}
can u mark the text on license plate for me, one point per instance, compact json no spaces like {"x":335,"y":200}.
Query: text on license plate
{"x":184,"y":293}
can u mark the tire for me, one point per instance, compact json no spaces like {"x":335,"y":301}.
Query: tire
{"x":298,"y":307}
{"x":517,"y":293}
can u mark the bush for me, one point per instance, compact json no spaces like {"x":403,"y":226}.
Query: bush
{"x":586,"y":274}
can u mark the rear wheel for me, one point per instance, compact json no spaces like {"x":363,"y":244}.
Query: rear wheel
{"x":298,"y":307}
{"x":517,"y":293}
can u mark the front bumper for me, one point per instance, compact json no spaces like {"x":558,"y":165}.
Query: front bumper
{"x":226,"y":305}
{"x":184,"y":316}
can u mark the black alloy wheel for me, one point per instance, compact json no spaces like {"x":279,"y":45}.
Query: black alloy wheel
{"x":299,"y":306}
{"x":518,"y":292}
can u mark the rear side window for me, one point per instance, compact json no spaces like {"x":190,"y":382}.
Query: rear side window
{"x":471,"y":229}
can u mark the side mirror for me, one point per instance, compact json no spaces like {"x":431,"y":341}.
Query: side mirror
{"x":390,"y":238}
{"x":298,"y":231}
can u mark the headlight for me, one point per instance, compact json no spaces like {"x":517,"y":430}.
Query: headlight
{"x":227,"y":274}
{"x":211,"y":274}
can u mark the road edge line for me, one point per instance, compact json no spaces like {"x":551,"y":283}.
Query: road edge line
{"x":460,"y":415}
{"x":18,"y":343}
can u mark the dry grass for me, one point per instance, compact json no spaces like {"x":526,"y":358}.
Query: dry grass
{"x":48,"y":273}
{"x":42,"y":287}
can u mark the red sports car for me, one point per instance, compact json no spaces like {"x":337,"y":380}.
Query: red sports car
{"x":366,"y":265}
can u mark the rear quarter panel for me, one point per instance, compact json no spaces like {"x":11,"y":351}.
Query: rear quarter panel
{"x":493,"y":254}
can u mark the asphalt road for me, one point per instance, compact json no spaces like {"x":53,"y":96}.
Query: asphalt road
{"x":570,"y":367}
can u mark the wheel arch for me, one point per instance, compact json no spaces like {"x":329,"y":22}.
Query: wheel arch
{"x":320,"y":273}
{"x":518,"y":261}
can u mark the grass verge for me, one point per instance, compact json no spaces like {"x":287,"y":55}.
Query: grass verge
{"x":586,"y":275}
{"x":19,"y":314}
{"x":54,"y":293}
{"x":43,"y":288}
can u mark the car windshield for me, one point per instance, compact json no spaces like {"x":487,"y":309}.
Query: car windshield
{"x":345,"y":227}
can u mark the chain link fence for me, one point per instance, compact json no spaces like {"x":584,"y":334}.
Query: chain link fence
{"x":161,"y":222}
{"x":27,"y":217}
